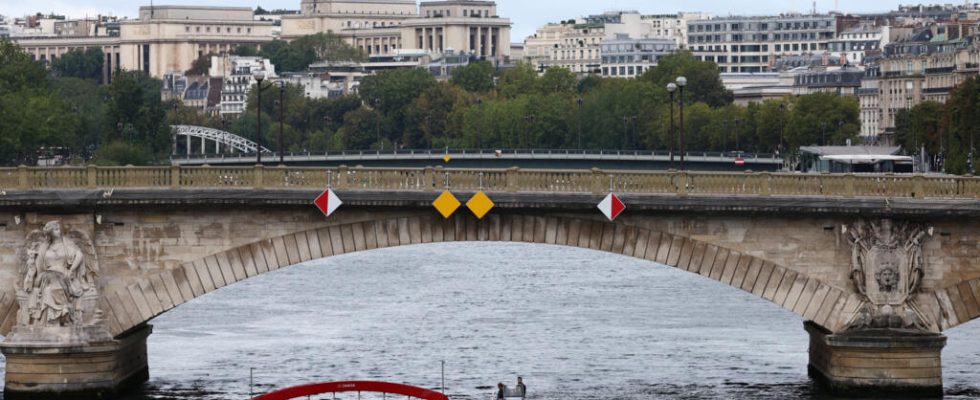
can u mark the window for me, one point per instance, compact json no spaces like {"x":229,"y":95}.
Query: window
{"x":187,"y":29}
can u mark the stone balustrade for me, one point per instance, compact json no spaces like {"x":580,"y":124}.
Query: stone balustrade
{"x":497,"y":180}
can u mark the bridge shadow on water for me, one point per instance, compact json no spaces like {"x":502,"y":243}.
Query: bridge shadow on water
{"x":577,"y":324}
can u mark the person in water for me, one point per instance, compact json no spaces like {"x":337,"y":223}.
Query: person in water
{"x":521,"y":387}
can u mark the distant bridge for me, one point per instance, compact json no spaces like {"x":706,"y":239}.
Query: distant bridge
{"x":462,"y":158}
{"x":218,"y":147}
{"x":208,"y":138}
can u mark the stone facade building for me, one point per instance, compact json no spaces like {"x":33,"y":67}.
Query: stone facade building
{"x":577,"y":44}
{"x":164,"y":39}
{"x":754,"y":44}
{"x":381,"y":27}
{"x":927,"y":67}
{"x":626,"y":57}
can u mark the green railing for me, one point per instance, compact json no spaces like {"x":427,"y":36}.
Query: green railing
{"x":495,"y":180}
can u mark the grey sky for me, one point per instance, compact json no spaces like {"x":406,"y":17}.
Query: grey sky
{"x":525,"y":14}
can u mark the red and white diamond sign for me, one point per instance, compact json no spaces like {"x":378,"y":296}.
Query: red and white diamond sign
{"x":611,"y":206}
{"x":328,"y":202}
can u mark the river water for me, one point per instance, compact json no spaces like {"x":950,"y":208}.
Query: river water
{"x":577,"y":324}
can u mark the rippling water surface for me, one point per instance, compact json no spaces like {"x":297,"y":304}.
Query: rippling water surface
{"x":576,"y":324}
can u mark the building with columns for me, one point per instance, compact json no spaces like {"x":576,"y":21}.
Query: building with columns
{"x":380,"y":27}
{"x":164,"y":39}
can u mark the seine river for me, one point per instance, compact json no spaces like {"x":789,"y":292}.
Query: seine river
{"x":576,"y":324}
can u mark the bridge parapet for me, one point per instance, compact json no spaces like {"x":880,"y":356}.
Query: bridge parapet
{"x":496,"y":180}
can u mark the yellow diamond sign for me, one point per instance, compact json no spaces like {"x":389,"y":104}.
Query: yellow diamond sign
{"x":480,"y":204}
{"x":446,"y":204}
{"x":446,"y":157}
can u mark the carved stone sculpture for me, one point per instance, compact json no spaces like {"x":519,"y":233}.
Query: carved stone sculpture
{"x":59,"y":288}
{"x":887,"y":267}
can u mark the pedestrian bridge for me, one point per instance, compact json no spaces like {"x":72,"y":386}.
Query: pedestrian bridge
{"x":879,"y":265}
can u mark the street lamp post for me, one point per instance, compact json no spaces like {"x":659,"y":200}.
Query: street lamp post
{"x":282,"y":102}
{"x":479,"y":125}
{"x":737,"y":122}
{"x":823,"y":133}
{"x":681,"y":83}
{"x":528,"y":119}
{"x":782,"y":127}
{"x":377,"y":123}
{"x":671,"y":88}
{"x":259,"y":77}
{"x":579,"y":102}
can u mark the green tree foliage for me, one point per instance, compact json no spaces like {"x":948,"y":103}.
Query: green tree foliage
{"x":474,"y":77}
{"x":557,"y":80}
{"x":78,"y":63}
{"x":520,"y":80}
{"x":300,"y":53}
{"x":200,"y":66}
{"x":32,"y":115}
{"x":392,"y":92}
{"x":823,"y":119}
{"x":703,"y":80}
{"x":245,"y":50}
{"x":961,"y":128}
{"x":136,"y":115}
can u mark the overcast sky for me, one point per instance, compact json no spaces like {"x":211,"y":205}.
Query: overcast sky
{"x":525,"y":14}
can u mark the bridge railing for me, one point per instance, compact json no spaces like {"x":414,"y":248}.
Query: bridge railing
{"x":495,"y":180}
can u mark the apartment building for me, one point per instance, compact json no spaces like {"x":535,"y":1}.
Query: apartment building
{"x":754,"y":44}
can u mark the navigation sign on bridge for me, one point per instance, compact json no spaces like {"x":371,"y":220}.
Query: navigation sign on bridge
{"x":611,"y":206}
{"x":327,"y":202}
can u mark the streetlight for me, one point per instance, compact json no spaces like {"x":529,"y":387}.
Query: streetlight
{"x":823,"y":133}
{"x":282,"y":101}
{"x":681,"y":83}
{"x":479,"y":125}
{"x":671,"y":88}
{"x":259,"y":76}
{"x":737,"y":121}
{"x":579,"y":102}
{"x":377,"y":123}
{"x":782,"y":127}
{"x":528,"y":119}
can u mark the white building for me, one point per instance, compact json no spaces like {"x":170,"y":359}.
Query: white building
{"x":855,"y":43}
{"x":237,"y":78}
{"x":755,"y":44}
{"x":626,"y":57}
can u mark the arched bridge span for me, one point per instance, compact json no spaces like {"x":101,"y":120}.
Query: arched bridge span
{"x":188,"y":136}
{"x":134,"y":305}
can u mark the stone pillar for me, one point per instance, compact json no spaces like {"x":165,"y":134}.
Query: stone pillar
{"x":880,"y":362}
{"x":84,"y":364}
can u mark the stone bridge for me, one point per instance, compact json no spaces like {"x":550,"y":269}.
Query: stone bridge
{"x":878,"y":265}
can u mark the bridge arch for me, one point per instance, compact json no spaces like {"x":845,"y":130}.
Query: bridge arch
{"x":183,"y":134}
{"x":131,"y":307}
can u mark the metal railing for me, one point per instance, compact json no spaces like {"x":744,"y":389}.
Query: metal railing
{"x":495,"y":180}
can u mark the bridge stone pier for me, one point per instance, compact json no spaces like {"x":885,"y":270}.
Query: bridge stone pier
{"x":878,"y":266}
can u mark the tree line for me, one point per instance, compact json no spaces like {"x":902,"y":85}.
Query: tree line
{"x":481,"y":106}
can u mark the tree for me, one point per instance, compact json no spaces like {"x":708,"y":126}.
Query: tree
{"x":137,"y":114}
{"x":391,"y":92}
{"x":78,"y":63}
{"x":31,"y":114}
{"x":245,"y":50}
{"x":822,"y":119}
{"x":17,"y":71}
{"x":520,"y":80}
{"x":474,"y":77}
{"x":703,"y":80}
{"x":298,"y":55}
{"x":557,"y":80}
{"x":961,"y":127}
{"x":200,"y":66}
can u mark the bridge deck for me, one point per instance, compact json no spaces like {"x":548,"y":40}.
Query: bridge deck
{"x":496,"y":180}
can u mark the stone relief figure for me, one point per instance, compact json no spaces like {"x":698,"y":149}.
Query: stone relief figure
{"x":887,"y":267}
{"x":60,"y":269}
